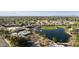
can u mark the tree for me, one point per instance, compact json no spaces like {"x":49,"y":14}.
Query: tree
{"x":20,"y":41}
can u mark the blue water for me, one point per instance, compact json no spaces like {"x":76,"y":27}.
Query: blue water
{"x":59,"y":34}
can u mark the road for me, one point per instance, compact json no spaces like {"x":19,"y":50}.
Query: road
{"x":3,"y":42}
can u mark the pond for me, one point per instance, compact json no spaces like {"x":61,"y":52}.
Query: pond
{"x":59,"y":34}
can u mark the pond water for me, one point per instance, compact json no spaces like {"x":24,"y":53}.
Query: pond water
{"x":59,"y":34}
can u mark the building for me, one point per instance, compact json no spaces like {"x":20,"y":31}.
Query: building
{"x":12,"y":28}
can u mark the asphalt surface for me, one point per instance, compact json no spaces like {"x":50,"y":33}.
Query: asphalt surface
{"x":3,"y":42}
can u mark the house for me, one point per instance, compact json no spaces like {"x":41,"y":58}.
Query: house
{"x":70,"y":29}
{"x":16,"y":29}
{"x":71,"y":23}
{"x":12,"y":28}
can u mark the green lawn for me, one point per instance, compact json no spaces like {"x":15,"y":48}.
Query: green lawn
{"x":52,"y":27}
{"x":77,"y":23}
{"x":62,"y":26}
{"x":48,"y":27}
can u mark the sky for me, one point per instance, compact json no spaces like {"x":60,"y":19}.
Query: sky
{"x":39,"y":13}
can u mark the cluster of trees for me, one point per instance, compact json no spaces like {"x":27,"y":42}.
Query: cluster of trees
{"x":32,"y":19}
{"x":20,"y":42}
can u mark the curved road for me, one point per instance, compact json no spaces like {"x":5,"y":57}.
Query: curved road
{"x":3,"y":42}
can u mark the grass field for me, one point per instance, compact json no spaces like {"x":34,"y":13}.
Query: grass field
{"x":51,"y":27}
{"x":48,"y":27}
